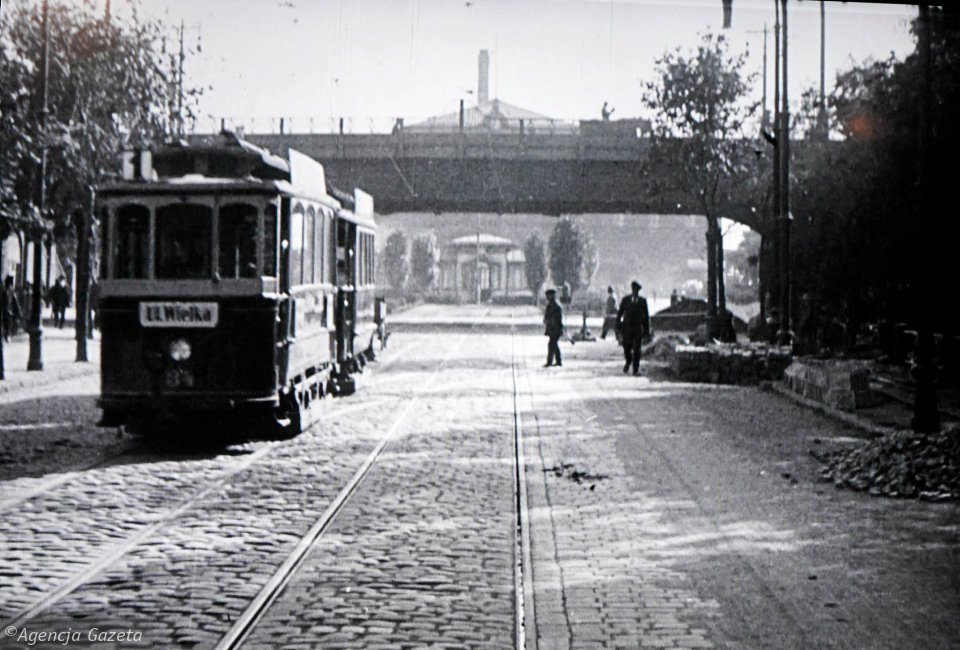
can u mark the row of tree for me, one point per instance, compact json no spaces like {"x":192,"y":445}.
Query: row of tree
{"x":74,"y":95}
{"x":573,"y":260}
{"x":859,"y":236}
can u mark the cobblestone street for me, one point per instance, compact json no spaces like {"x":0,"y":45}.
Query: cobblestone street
{"x":656,"y":514}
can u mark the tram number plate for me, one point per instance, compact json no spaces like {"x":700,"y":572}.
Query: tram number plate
{"x":179,"y":314}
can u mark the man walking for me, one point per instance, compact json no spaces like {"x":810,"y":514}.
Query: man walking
{"x":553,"y":328}
{"x":60,"y":300}
{"x":633,"y":323}
{"x":610,"y":313}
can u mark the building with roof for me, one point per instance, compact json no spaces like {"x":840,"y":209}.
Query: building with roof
{"x":491,"y":265}
{"x":490,"y":114}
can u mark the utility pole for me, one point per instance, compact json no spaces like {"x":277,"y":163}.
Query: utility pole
{"x":822,"y":112}
{"x":182,"y":56}
{"x":765,"y":114}
{"x":926,"y":418}
{"x":774,"y":214}
{"x":35,"y":360}
{"x":785,"y":335}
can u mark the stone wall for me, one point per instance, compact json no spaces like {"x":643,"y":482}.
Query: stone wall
{"x":747,"y":364}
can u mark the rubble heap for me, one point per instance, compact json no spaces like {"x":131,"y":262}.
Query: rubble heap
{"x":900,"y":464}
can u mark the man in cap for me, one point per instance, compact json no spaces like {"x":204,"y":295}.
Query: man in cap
{"x":553,"y":328}
{"x":633,"y":323}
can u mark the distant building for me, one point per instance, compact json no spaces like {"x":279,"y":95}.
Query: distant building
{"x":500,"y":266}
{"x":490,"y":114}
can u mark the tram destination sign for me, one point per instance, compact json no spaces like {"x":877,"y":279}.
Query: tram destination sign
{"x":179,"y":314}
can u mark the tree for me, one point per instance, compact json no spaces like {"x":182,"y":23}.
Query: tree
{"x":859,"y":237}
{"x":395,"y":260}
{"x":700,"y":114}
{"x":423,"y":262}
{"x":535,"y":267}
{"x":110,"y":87}
{"x":568,"y":254}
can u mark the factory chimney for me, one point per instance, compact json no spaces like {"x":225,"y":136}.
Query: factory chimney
{"x":483,"y":83}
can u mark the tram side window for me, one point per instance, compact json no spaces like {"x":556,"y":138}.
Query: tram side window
{"x":183,"y":241}
{"x":270,"y":241}
{"x":296,"y":248}
{"x":133,"y":224}
{"x":309,"y":250}
{"x":238,"y":241}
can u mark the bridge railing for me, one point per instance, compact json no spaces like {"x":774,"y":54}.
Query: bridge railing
{"x":374,"y":125}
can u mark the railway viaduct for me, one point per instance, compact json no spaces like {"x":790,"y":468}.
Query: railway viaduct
{"x":589,"y":171}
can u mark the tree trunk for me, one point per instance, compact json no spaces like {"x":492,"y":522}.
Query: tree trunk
{"x":83,"y":281}
{"x":3,"y":332}
{"x":711,"y":278}
{"x":725,"y":324}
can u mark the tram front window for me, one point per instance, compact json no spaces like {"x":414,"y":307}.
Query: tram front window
{"x":183,"y":241}
{"x":238,"y":241}
{"x":133,"y":223}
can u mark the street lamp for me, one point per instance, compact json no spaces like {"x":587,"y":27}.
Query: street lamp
{"x":35,"y":360}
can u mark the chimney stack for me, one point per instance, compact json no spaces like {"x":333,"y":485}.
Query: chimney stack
{"x":483,"y":83}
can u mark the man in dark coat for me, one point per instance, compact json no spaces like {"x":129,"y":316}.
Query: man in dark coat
{"x":633,"y":323}
{"x":60,"y":300}
{"x":553,"y":328}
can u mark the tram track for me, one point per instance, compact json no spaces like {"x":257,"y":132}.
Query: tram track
{"x":523,"y":572}
{"x":121,"y":548}
{"x":132,"y":450}
{"x":246,"y":623}
{"x":272,"y":588}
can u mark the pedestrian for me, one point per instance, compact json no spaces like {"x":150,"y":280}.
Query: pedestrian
{"x":605,"y":112}
{"x":610,"y":313}
{"x":553,"y":328}
{"x":59,"y":299}
{"x":10,"y":309}
{"x":633,"y":323}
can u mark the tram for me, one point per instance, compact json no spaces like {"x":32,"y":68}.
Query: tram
{"x":232,"y":284}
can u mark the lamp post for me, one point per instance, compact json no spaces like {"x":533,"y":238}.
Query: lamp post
{"x":926,"y":418}
{"x":785,"y":335}
{"x":35,"y":360}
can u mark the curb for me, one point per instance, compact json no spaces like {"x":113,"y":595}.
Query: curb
{"x":850,"y":419}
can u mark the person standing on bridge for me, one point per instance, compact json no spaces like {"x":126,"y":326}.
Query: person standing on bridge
{"x":633,"y":323}
{"x":605,"y":112}
{"x":553,"y":328}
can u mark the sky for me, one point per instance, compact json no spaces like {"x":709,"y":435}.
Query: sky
{"x":371,"y":61}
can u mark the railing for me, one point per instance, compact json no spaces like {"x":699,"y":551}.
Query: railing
{"x":325,"y":125}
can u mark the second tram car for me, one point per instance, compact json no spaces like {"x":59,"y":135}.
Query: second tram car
{"x":232,"y":283}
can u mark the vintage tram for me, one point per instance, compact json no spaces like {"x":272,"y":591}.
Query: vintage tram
{"x":232,"y":283}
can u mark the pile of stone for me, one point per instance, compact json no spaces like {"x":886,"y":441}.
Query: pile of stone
{"x":843,"y":384}
{"x":901,"y":464}
{"x":662,"y":348}
{"x":721,"y":363}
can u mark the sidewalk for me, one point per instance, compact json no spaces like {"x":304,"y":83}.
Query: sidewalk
{"x":668,"y":514}
{"x":59,"y":350}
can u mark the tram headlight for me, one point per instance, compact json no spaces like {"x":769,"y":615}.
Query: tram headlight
{"x":180,"y":350}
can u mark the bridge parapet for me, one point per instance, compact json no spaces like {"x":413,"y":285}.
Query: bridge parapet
{"x":596,"y":147}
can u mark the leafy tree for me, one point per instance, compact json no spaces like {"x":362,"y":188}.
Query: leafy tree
{"x":535,"y":267}
{"x":700,"y":106}
{"x":591,"y":260}
{"x":395,"y":260}
{"x":568,"y":254}
{"x":110,"y":87}
{"x":859,"y":236}
{"x":423,"y":262}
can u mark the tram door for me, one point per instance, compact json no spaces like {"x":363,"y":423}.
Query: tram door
{"x":346,"y":288}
